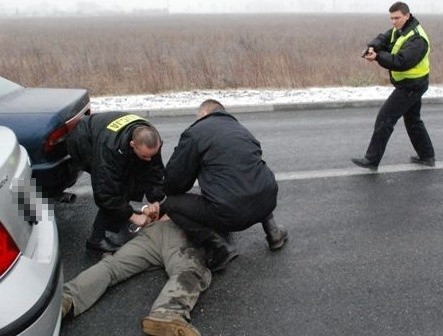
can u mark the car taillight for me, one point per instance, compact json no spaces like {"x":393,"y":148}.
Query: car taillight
{"x":60,"y":134}
{"x":55,"y":138}
{"x":9,"y":251}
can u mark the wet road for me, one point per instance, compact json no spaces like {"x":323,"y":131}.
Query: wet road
{"x":364,"y":256}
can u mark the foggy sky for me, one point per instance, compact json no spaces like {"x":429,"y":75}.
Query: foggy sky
{"x":51,"y":7}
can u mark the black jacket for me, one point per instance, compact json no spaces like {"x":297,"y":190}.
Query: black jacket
{"x":227,"y":161}
{"x":116,"y":171}
{"x":411,"y":53}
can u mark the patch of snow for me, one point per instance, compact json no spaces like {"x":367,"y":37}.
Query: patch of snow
{"x":192,"y":99}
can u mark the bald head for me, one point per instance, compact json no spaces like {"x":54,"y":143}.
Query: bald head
{"x":209,"y":106}
{"x":147,"y":136}
{"x":146,"y":142}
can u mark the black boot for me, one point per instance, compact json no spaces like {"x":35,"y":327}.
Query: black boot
{"x":102,"y":245}
{"x":122,"y":236}
{"x":220,"y":252}
{"x":275,"y":235}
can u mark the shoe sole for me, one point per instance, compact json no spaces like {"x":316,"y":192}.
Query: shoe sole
{"x":157,"y":327}
{"x":374,"y":168}
{"x":278,"y":245}
{"x":427,"y":164}
{"x":66,"y":305}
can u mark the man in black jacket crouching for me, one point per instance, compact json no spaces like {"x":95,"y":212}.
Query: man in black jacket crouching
{"x":121,"y":151}
{"x":237,"y":187}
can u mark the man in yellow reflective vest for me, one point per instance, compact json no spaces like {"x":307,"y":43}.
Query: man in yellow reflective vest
{"x":404,"y":51}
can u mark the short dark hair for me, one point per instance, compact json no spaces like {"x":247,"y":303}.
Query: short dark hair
{"x":146,"y":135}
{"x":210,"y":105}
{"x":399,"y":6}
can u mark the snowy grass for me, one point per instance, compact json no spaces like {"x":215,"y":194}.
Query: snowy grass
{"x":140,"y":54}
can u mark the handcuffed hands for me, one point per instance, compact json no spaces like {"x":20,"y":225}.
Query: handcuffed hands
{"x":152,"y":211}
{"x":140,"y":219}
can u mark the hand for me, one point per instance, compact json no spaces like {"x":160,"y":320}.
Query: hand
{"x":140,"y":219}
{"x":370,"y":55}
{"x":152,"y":211}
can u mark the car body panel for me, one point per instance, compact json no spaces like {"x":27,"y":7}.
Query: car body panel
{"x":31,"y":287}
{"x":34,"y":114}
{"x":13,"y":168}
{"x":49,"y":108}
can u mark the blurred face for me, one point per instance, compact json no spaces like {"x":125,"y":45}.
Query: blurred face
{"x":398,"y":19}
{"x":143,"y":152}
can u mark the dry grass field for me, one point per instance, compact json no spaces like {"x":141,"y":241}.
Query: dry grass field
{"x":141,"y":54}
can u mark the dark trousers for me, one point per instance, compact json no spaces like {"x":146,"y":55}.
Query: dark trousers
{"x":197,"y":217}
{"x":404,"y":102}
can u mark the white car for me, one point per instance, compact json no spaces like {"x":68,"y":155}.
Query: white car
{"x":31,"y":277}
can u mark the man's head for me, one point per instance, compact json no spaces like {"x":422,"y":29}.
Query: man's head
{"x":209,"y":106}
{"x":399,"y":14}
{"x":146,"y":142}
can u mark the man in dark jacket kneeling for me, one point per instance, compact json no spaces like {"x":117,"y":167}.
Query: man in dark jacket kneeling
{"x":237,"y":187}
{"x":121,"y":151}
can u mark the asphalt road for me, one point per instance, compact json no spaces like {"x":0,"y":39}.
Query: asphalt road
{"x":364,"y":256}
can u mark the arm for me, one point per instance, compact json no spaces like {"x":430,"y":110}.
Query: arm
{"x":152,"y":174}
{"x":183,"y":167}
{"x":411,"y":53}
{"x":107,"y":182}
{"x":381,"y":42}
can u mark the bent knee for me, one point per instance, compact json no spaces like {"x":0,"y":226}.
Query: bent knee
{"x":194,"y":280}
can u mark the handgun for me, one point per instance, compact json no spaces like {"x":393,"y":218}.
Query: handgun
{"x":365,"y":52}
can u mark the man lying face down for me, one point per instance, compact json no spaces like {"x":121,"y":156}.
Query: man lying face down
{"x":159,"y":244}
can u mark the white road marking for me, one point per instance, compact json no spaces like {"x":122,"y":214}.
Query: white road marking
{"x":340,"y":172}
{"x":312,"y":174}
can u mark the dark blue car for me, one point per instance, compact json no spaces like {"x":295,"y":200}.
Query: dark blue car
{"x":41,"y":119}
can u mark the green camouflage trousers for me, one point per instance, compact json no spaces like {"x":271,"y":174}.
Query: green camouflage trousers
{"x":162,"y":244}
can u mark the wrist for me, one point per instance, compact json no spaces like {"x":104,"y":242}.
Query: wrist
{"x":133,"y":217}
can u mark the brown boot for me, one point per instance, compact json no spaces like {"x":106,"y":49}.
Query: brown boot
{"x":66,"y":305}
{"x":168,"y":324}
{"x":275,"y":235}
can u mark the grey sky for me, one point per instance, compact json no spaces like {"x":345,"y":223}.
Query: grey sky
{"x":40,"y":7}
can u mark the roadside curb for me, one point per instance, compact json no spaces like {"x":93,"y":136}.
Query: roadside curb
{"x":240,"y":109}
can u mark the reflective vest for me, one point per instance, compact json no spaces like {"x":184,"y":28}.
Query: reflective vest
{"x":419,"y":70}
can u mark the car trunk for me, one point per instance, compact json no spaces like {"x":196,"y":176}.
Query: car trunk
{"x":50,"y":108}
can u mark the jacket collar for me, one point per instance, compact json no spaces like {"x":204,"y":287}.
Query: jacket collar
{"x":216,"y":113}
{"x":412,"y":23}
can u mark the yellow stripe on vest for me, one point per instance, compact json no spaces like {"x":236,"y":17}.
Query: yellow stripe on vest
{"x":121,"y":122}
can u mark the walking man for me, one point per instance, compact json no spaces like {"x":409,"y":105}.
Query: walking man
{"x":161,"y":244}
{"x":121,"y":152}
{"x":237,"y":187}
{"x":404,"y":51}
